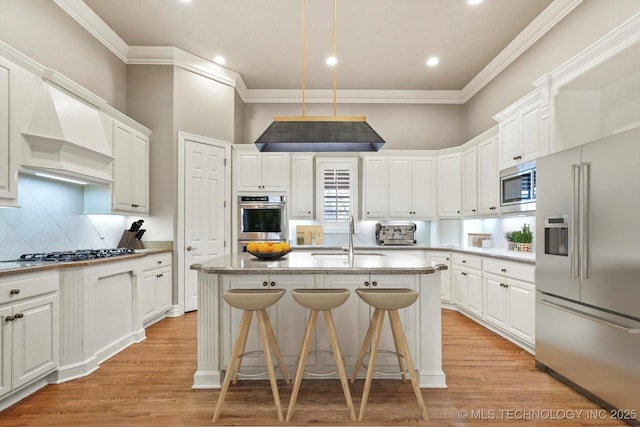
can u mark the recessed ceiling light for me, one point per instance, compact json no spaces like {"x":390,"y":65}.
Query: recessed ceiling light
{"x":474,"y":2}
{"x":219,"y":60}
{"x":433,"y":61}
{"x":185,"y":1}
{"x":332,"y":60}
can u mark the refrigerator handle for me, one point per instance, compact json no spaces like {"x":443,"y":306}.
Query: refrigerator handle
{"x":574,"y":223}
{"x":584,"y":214}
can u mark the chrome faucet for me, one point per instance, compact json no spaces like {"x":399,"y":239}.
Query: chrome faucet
{"x":352,"y":231}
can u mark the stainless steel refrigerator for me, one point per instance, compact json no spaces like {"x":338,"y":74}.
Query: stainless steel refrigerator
{"x":588,"y":269}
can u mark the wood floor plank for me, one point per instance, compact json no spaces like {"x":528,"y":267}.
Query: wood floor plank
{"x":150,"y":384}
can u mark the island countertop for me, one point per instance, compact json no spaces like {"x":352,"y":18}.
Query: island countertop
{"x":321,"y":262}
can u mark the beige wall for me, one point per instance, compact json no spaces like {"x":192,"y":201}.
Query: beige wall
{"x":590,"y":21}
{"x":402,"y":126}
{"x":44,"y":32}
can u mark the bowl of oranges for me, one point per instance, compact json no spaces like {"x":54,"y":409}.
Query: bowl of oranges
{"x":268,"y":250}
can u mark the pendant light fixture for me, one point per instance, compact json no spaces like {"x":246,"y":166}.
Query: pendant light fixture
{"x":319,"y":133}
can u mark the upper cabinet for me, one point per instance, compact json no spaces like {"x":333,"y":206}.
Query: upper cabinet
{"x":470,"y":181}
{"x":302,"y":186}
{"x":8,"y":161}
{"x":488,"y":177}
{"x":523,"y":128}
{"x":449,"y":185}
{"x":256,"y":171}
{"x":375,"y":187}
{"x":130,"y":170}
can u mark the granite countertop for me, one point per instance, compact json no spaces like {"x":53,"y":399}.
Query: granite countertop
{"x":321,"y":262}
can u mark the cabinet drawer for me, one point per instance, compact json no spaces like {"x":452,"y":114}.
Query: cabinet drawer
{"x":467,"y":261}
{"x":157,"y":260}
{"x":16,"y":288}
{"x":515,"y":270}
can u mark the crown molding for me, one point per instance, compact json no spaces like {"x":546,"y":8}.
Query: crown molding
{"x":168,"y":55}
{"x":546,"y":20}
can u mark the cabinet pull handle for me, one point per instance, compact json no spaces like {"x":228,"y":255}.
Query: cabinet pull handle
{"x":473,"y":210}
{"x":374,"y":283}
{"x":19,"y":315}
{"x":14,"y":291}
{"x":159,"y":262}
{"x":159,"y":275}
{"x":464,"y":261}
{"x":273,"y":284}
{"x":463,"y":273}
{"x":504,"y":270}
{"x":366,"y":283}
{"x":9,"y":318}
{"x":265,"y":284}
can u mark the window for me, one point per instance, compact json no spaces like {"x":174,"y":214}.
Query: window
{"x":337,"y":181}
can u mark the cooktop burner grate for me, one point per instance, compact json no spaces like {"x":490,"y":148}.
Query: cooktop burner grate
{"x":77,"y":255}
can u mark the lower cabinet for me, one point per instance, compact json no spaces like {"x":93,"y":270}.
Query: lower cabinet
{"x":156,"y":287}
{"x":467,"y":283}
{"x":445,"y":276}
{"x":29,"y":329}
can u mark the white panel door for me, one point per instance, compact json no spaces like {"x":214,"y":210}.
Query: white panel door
{"x":204,"y":226}
{"x":424,"y":188}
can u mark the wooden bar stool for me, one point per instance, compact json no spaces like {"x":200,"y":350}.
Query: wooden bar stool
{"x":253,"y":300}
{"x":390,"y":301}
{"x":320,"y":300}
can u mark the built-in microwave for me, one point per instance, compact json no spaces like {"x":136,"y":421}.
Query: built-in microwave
{"x":518,"y":188}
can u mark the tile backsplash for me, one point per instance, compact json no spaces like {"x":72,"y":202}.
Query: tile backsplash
{"x":50,"y":219}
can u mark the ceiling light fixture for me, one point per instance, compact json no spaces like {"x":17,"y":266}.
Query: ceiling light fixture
{"x":332,"y":61}
{"x":219,"y":60}
{"x":433,"y":61}
{"x":319,"y":133}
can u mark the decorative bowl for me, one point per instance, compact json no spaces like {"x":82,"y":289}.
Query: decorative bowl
{"x":269,"y":255}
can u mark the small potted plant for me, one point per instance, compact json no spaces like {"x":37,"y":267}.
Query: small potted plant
{"x":520,"y":240}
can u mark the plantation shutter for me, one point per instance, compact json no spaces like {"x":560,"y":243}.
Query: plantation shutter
{"x":337,"y":195}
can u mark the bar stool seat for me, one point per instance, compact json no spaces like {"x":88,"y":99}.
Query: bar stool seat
{"x":253,"y":301}
{"x":320,"y":300}
{"x":389,"y":301}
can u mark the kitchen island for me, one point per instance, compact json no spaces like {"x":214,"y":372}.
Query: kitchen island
{"x":217,"y":322}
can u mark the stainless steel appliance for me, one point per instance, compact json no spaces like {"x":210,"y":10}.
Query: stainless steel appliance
{"x":261,"y":217}
{"x":518,"y":188}
{"x":588,"y":270}
{"x":396,"y":234}
{"x":75,"y":255}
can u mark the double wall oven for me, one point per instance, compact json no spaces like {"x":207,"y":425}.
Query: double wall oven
{"x":261,"y":218}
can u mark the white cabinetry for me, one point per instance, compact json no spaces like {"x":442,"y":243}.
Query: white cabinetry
{"x":488,"y":177}
{"x":156,"y":287}
{"x":255,"y":171}
{"x":523,"y":128}
{"x":467,"y":283}
{"x":8,"y":160}
{"x":449,"y":185}
{"x":510,"y":298}
{"x":285,"y":316}
{"x":302,"y":186}
{"x":130,"y":170}
{"x":445,"y":275}
{"x":375,"y":187}
{"x":412,"y":187}
{"x":470,"y":182}
{"x":29,"y":329}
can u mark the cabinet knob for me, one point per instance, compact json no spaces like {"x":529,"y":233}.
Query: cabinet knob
{"x":464,"y":261}
{"x":265,"y":284}
{"x":19,"y":315}
{"x":14,"y":291}
{"x":309,"y":212}
{"x":366,"y":283}
{"x":447,"y":258}
{"x":9,"y":318}
{"x":473,"y":210}
{"x":273,"y":284}
{"x":458,"y":211}
{"x":374,"y":283}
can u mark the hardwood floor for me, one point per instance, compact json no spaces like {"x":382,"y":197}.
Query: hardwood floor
{"x":494,"y":381}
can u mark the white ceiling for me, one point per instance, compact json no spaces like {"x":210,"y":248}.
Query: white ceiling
{"x":381,"y":44}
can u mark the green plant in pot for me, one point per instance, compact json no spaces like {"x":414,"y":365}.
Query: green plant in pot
{"x":520,"y":240}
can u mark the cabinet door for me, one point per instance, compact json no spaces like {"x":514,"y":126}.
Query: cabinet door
{"x":375,"y":188}
{"x":140,"y":172}
{"x":510,"y":143}
{"x":445,"y":275}
{"x":122,"y":170}
{"x":521,"y":301}
{"x":248,"y":166}
{"x":275,"y":171}
{"x":302,"y":189}
{"x":400,"y":187}
{"x":424,"y":188}
{"x":35,"y":343}
{"x":488,"y":182}
{"x":469,"y":182}
{"x":530,"y":128}
{"x":460,"y":290}
{"x":8,"y":172}
{"x":474,"y":289}
{"x":5,"y":351}
{"x":495,"y":301}
{"x":163,"y":290}
{"x":148,"y":295}
{"x":449,"y":186}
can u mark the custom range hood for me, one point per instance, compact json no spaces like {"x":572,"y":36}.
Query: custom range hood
{"x":67,"y":138}
{"x":319,"y":134}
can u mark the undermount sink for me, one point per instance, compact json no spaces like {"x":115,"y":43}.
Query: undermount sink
{"x":346,"y":253}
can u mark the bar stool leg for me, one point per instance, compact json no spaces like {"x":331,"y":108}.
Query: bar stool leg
{"x":394,"y":318}
{"x":333,"y":336}
{"x":399,"y":351}
{"x":263,"y":322}
{"x":372,"y":361}
{"x":243,"y":331}
{"x":365,"y":343}
{"x":241,"y":352}
{"x":275,"y":347}
{"x":302,"y":361}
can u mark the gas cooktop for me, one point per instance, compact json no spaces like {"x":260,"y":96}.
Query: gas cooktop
{"x":77,"y":255}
